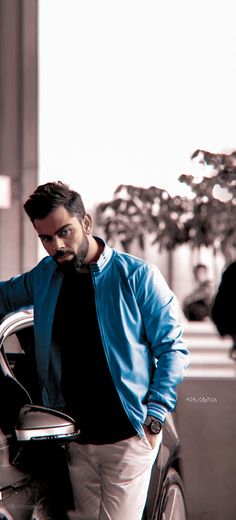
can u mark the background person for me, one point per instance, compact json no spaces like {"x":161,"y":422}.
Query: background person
{"x":109,"y":351}
{"x":197,"y":305}
{"x":223,"y":310}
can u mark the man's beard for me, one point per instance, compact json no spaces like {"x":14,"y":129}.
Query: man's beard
{"x":74,"y":265}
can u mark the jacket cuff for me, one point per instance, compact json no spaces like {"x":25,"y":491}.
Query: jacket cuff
{"x":157,"y":410}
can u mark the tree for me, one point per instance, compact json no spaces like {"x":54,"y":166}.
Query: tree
{"x":135,"y":212}
{"x":208,"y":218}
{"x":214,"y":204}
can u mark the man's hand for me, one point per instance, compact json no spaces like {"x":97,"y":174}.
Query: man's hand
{"x":151,"y":437}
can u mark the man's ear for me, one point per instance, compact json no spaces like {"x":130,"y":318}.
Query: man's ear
{"x":87,"y":224}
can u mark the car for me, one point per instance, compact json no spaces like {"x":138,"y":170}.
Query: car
{"x":34,"y":480}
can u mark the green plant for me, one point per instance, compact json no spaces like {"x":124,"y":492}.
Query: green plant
{"x":214,"y":202}
{"x":207,"y":218}
{"x":135,"y":212}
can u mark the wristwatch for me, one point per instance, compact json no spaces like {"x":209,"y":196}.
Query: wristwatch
{"x":153,"y":424}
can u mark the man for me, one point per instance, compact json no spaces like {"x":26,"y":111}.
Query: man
{"x":109,"y":351}
{"x":197,"y":305}
{"x":223,"y":311}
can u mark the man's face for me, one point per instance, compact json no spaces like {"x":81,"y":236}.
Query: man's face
{"x":64,"y":238}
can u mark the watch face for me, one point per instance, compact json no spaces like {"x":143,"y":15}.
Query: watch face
{"x":155,"y":426}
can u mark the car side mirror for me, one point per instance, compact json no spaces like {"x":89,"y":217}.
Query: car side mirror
{"x":38,"y":423}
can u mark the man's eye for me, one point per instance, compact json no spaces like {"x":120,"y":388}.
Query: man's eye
{"x":46,"y":240}
{"x":65,"y":232}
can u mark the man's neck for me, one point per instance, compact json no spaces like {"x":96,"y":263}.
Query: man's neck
{"x":95,"y":250}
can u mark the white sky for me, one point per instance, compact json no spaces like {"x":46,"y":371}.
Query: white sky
{"x":129,"y":89}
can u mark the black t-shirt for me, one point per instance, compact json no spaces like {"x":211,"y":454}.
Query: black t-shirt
{"x":87,"y":386}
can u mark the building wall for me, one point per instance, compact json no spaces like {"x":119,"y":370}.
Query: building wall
{"x":207,"y":429}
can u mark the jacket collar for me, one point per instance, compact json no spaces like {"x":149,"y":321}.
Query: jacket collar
{"x":104,"y":257}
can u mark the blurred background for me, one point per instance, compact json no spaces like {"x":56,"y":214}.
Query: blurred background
{"x":104,"y":94}
{"x":132,"y":104}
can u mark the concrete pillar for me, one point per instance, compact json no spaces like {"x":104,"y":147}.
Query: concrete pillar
{"x":18,"y":130}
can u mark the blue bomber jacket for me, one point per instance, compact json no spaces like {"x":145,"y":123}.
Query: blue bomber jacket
{"x":139,"y":326}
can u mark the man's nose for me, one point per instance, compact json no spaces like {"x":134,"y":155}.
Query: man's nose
{"x":57,"y":244}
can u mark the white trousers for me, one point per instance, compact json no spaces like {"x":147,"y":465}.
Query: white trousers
{"x":110,"y":481}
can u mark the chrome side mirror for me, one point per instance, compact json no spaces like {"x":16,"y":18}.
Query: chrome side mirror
{"x":38,"y":423}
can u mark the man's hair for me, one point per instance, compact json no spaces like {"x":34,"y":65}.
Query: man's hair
{"x":50,"y":196}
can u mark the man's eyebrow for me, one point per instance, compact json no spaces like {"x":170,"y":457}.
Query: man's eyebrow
{"x":44,"y":235}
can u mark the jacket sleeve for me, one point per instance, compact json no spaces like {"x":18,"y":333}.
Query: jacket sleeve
{"x":15,"y":294}
{"x":163,"y":329}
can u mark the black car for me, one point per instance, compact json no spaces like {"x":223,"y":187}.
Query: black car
{"x":34,"y":483}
